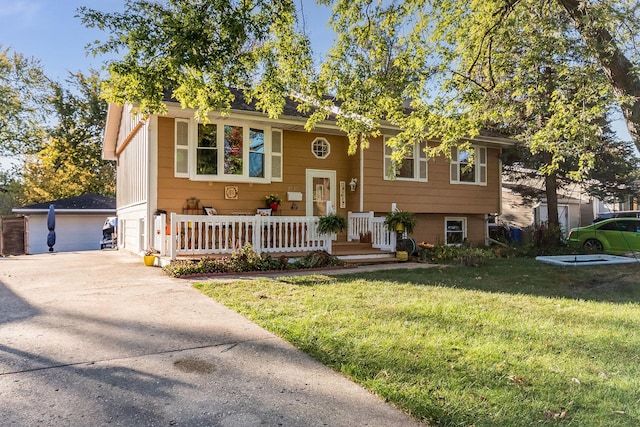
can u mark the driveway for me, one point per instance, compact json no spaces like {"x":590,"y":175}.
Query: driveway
{"x":95,"y":338}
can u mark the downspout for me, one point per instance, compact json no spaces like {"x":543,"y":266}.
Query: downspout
{"x":361,"y":178}
{"x":131,"y":135}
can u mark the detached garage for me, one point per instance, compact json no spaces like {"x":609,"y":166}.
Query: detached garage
{"x":79,"y":222}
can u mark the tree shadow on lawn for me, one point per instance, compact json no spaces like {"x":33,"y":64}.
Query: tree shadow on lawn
{"x":521,"y":276}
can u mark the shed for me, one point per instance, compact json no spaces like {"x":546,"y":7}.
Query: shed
{"x":79,"y":222}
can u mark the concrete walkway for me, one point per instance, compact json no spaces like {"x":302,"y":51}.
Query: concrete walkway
{"x":96,"y":338}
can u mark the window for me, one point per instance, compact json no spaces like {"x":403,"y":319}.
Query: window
{"x":181,"y":153}
{"x":455,"y":230}
{"x":320,"y":148}
{"x":412,"y":168}
{"x":256,"y":153}
{"x":207,"y":150}
{"x":468,"y":167}
{"x":223,"y":151}
{"x":230,"y":152}
{"x":233,"y":149}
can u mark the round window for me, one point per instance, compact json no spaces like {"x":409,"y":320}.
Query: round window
{"x":320,"y":148}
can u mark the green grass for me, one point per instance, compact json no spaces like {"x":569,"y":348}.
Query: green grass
{"x":514,"y":343}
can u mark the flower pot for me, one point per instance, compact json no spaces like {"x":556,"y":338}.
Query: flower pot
{"x":402,"y":255}
{"x":399,"y":227}
{"x":274,"y":206}
{"x":149,"y":260}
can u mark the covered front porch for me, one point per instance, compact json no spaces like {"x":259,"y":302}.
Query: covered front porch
{"x":202,"y":235}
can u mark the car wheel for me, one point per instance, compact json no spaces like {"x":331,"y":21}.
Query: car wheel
{"x":593,"y":245}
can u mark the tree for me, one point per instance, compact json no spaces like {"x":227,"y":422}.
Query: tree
{"x":463,"y":40}
{"x":70,"y":163}
{"x":23,"y":91}
{"x":597,"y":23}
{"x":201,"y":50}
{"x":10,"y":190}
{"x":529,"y":68}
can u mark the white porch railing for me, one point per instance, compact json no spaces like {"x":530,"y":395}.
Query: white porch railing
{"x":364,"y":222}
{"x":222,"y":234}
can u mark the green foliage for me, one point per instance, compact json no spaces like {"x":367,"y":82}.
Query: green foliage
{"x":24,"y":90}
{"x":318,"y":259}
{"x":332,"y":223}
{"x":201,"y":50}
{"x":70,"y":162}
{"x":395,"y":218}
{"x":462,"y":255}
{"x":246,"y":259}
{"x":522,"y":68}
{"x":546,"y":239}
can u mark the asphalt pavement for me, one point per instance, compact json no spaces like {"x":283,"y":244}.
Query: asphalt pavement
{"x":96,"y":338}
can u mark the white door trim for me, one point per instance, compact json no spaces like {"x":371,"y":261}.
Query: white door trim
{"x":310,"y":174}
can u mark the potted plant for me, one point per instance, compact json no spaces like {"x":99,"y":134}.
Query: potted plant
{"x":273,"y":201}
{"x":331,"y":224}
{"x":149,"y":257}
{"x":400,"y":221}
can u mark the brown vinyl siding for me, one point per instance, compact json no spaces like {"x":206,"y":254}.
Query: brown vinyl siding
{"x":437,"y":195}
{"x":297,"y":157}
{"x":432,"y":201}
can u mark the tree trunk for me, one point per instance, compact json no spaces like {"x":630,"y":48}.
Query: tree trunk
{"x":617,"y":67}
{"x":551,"y":191}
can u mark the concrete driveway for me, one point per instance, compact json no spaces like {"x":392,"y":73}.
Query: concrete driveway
{"x":96,"y":338}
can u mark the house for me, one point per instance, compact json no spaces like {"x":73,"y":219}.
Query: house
{"x":79,"y":222}
{"x":171,"y":167}
{"x":575,"y":208}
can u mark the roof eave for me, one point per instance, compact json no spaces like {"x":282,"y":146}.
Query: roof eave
{"x":63,"y":211}
{"x":112,"y":128}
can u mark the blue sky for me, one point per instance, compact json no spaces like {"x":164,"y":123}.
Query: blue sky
{"x":47,"y":30}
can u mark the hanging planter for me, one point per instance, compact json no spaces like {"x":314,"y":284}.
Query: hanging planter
{"x":400,"y":221}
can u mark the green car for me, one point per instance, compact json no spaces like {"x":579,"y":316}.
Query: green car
{"x":617,"y":236}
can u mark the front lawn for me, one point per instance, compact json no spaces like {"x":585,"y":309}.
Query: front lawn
{"x":512,"y":343}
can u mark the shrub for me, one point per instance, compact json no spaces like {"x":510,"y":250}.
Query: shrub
{"x":242,"y":260}
{"x":546,"y":239}
{"x":474,"y":257}
{"x":463,"y":255}
{"x":317,"y":259}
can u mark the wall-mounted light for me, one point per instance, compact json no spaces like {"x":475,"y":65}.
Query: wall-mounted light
{"x":353,"y":184}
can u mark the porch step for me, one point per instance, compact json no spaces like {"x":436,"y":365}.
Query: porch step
{"x":348,"y":248}
{"x":370,"y":261}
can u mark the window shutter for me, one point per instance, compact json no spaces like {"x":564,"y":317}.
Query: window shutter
{"x":387,"y":172}
{"x":482,"y":165}
{"x":455,"y":175}
{"x":422,"y":162}
{"x":181,"y":152}
{"x":276,"y":154}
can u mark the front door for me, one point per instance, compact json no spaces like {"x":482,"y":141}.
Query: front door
{"x":321,"y":188}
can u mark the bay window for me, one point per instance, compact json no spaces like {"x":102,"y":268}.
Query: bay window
{"x":221,"y":151}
